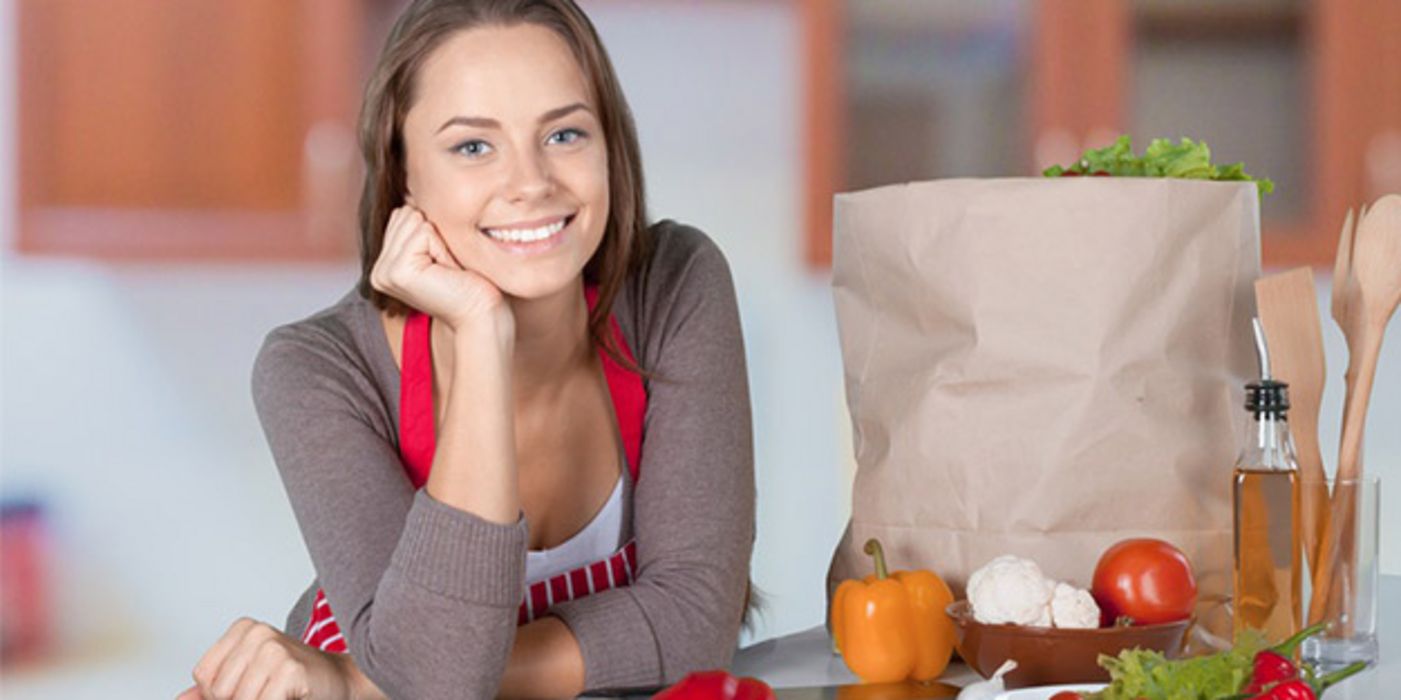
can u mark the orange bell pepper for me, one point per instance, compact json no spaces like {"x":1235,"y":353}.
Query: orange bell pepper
{"x":892,"y":627}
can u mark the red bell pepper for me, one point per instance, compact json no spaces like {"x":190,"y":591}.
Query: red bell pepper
{"x":716,"y":685}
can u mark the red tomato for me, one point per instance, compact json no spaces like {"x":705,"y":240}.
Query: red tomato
{"x":1066,"y":695}
{"x":1148,"y":580}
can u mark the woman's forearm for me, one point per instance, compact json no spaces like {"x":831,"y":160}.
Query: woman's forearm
{"x":474,"y":465}
{"x":545,"y":662}
{"x":474,"y":469}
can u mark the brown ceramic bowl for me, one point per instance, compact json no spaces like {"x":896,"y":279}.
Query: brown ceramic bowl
{"x":1049,"y":656}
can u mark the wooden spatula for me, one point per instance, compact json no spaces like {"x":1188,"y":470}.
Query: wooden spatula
{"x":1288,"y":309}
{"x":1372,"y":293}
{"x":1345,"y":302}
{"x":1376,"y":267}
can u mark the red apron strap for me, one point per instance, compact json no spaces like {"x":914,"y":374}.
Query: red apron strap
{"x":416,"y":419}
{"x":629,"y":395}
{"x":417,"y":422}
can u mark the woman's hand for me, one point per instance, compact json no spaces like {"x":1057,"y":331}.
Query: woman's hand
{"x":254,"y":661}
{"x":416,"y":267}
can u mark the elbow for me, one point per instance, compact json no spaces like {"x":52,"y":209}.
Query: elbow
{"x":406,"y":660}
{"x":703,"y":652}
{"x":443,"y":681}
{"x":712,"y":625}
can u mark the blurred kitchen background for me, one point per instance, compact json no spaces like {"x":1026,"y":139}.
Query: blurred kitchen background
{"x":178,"y":177}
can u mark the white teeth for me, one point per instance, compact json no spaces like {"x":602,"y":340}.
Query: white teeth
{"x":525,"y":235}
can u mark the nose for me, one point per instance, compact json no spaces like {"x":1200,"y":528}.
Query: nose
{"x":530,"y":177}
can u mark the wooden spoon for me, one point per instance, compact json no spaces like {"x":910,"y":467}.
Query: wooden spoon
{"x":1375,"y":264}
{"x":1344,"y":299}
{"x":1288,"y":308}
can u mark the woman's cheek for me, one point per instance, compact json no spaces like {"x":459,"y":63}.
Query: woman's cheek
{"x":459,"y":214}
{"x":465,"y":243}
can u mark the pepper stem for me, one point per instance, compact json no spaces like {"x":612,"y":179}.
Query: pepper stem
{"x":874,"y":549}
{"x":1341,"y":674}
{"x":1286,"y":648}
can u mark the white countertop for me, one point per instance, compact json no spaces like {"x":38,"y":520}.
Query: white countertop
{"x":806,"y":658}
{"x":799,"y":660}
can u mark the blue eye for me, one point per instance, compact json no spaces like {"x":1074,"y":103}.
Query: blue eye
{"x":474,"y":148}
{"x":567,"y":136}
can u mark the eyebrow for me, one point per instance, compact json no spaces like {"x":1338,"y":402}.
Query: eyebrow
{"x":485,"y":123}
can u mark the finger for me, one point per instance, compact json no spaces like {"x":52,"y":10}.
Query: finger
{"x":394,"y":234}
{"x":418,"y":250}
{"x":410,"y":244}
{"x":190,"y":693}
{"x":266,"y":662}
{"x":386,"y":243}
{"x":440,"y":252}
{"x":394,"y":231}
{"x":230,"y":675}
{"x":289,"y":683}
{"x":207,"y":669}
{"x":442,"y":242}
{"x":251,"y":688}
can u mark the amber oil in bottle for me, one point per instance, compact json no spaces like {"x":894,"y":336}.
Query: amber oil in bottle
{"x":1268,"y":556}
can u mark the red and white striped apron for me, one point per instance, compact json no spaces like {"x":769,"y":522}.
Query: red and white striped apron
{"x":417,"y":442}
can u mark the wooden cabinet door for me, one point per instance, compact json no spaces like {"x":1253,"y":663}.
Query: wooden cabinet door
{"x":1351,"y":150}
{"x":189,"y":129}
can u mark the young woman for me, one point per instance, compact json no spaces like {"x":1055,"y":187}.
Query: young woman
{"x":519,"y":453}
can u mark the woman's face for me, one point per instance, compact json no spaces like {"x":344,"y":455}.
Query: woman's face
{"x":506,"y":156}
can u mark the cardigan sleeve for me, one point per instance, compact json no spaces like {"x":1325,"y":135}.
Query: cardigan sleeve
{"x":425,"y":594}
{"x":694,"y":500}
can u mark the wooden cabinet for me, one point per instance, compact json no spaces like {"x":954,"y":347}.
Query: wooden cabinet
{"x":195,"y":129}
{"x":1302,"y":91}
{"x":152,"y":129}
{"x":1332,"y":124}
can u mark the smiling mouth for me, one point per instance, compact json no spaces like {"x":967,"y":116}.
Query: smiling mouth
{"x":528,"y":235}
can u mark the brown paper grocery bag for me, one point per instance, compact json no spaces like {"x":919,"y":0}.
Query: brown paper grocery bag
{"x":1043,"y":367}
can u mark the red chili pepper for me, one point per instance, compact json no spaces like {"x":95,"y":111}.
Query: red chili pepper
{"x":1276,"y":664}
{"x":1300,"y":689}
{"x":1293,"y":690}
{"x":716,"y":685}
{"x":1270,"y":668}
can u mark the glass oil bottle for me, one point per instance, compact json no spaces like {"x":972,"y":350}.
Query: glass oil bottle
{"x":1266,"y":500}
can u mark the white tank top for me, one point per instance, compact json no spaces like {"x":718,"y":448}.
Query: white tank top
{"x":598,"y":540}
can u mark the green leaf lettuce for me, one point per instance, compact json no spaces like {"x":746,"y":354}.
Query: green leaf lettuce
{"x":1186,"y":159}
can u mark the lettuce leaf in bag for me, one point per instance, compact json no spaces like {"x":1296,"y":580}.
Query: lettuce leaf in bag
{"x":1186,"y":159}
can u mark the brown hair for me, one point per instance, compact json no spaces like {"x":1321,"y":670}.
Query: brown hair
{"x":425,"y":25}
